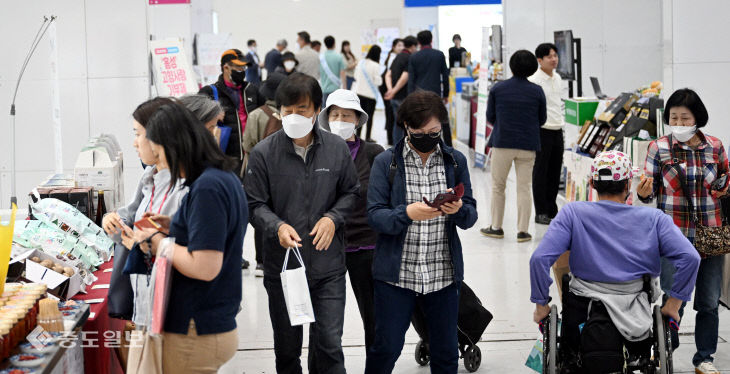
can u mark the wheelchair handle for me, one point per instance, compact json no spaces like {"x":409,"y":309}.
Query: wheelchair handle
{"x":673,"y":324}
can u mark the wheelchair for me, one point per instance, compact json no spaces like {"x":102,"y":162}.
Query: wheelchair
{"x":656,"y":361}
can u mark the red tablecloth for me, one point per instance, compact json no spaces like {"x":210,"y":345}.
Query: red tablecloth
{"x":100,"y":358}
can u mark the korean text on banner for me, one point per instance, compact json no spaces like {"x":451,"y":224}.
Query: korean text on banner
{"x":296,"y":291}
{"x":6,"y":243}
{"x":173,"y":76}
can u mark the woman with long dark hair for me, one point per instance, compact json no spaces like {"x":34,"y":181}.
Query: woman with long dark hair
{"x":351,"y":63}
{"x":200,"y":326}
{"x":155,"y":193}
{"x":395,"y":49}
{"x":367,"y":78}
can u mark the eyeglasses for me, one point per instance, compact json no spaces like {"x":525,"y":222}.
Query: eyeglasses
{"x":433,"y":135}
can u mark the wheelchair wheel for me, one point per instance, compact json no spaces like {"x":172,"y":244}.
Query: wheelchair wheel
{"x":550,"y":343}
{"x":663,"y":346}
{"x":472,"y":358}
{"x":423,"y":356}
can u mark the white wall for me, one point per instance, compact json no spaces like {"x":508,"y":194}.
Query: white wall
{"x":102,"y":51}
{"x":621,"y":39}
{"x":696,"y":56}
{"x":275,"y":19}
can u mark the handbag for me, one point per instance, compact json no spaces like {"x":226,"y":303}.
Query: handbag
{"x":145,"y":353}
{"x":121,"y":296}
{"x":296,"y":291}
{"x":709,"y":241}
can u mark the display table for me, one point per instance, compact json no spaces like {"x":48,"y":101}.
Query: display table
{"x":102,"y":333}
{"x":63,"y":358}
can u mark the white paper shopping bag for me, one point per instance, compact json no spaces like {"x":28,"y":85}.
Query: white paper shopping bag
{"x":296,"y":291}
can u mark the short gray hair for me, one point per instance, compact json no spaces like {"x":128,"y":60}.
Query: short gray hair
{"x":203,"y":107}
{"x":282,"y":43}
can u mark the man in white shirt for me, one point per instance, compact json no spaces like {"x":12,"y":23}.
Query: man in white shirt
{"x":549,"y":161}
{"x":307,"y":57}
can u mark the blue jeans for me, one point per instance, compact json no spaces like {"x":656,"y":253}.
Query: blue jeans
{"x":325,"y":335}
{"x":706,"y":302}
{"x":393,"y":309}
{"x":350,"y":81}
{"x":398,"y":131}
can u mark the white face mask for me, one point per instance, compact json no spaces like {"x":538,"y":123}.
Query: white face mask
{"x":297,"y":126}
{"x":683,"y":133}
{"x":289,"y":65}
{"x":344,"y":129}
{"x":253,"y":49}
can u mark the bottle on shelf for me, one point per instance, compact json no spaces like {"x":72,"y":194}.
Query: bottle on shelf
{"x":100,"y":208}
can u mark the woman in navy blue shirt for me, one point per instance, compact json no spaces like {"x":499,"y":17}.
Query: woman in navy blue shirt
{"x":200,"y":327}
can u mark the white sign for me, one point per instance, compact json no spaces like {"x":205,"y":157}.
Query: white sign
{"x":210,"y":47}
{"x":480,"y":144}
{"x":173,"y":76}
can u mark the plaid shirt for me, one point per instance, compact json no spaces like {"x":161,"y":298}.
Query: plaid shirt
{"x":701,"y":166}
{"x":426,"y":261}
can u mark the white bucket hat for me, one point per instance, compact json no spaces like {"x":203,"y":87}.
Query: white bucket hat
{"x":344,"y":99}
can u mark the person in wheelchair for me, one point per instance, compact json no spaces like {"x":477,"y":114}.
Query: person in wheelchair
{"x":613,"y":247}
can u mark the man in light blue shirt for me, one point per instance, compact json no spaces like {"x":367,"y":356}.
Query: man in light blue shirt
{"x":331,"y":70}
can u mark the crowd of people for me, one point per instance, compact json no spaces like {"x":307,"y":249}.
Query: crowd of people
{"x":283,"y":150}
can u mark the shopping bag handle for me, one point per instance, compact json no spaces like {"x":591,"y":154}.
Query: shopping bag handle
{"x":297,"y":254}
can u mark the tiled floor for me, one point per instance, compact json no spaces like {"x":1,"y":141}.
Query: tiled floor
{"x":498,"y":272}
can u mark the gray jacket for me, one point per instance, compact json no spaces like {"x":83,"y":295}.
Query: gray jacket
{"x":626,"y":303}
{"x":282,"y":188}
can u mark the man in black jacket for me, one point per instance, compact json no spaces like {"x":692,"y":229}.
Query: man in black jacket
{"x":301,"y":183}
{"x":232,"y":92}
{"x":427,"y":70}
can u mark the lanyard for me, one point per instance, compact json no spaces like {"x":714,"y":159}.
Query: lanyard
{"x":152,"y":198}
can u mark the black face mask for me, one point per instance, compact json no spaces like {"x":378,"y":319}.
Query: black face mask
{"x":424,"y":143}
{"x":237,"y":77}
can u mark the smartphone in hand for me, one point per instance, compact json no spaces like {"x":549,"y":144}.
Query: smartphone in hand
{"x":147,"y":223}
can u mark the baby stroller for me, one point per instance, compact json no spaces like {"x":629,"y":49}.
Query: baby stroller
{"x":657,"y":359}
{"x":473,"y":320}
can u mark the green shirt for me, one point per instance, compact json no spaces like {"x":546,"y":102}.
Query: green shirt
{"x":336,"y":64}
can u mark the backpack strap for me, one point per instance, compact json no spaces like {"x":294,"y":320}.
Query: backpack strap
{"x":215,"y":91}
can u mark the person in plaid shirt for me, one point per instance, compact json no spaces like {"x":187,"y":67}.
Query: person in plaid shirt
{"x":702,"y":160}
{"x":418,"y":254}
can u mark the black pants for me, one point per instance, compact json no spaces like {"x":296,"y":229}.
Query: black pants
{"x":258,"y":239}
{"x":393,"y":309}
{"x":546,"y":173}
{"x":368,"y":105}
{"x":359,"y":267}
{"x":325,"y":335}
{"x":389,"y":121}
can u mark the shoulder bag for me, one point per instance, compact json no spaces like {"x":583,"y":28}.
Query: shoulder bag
{"x":709,"y":241}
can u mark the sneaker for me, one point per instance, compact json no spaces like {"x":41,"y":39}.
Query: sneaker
{"x":706,"y":368}
{"x":523,"y":237}
{"x":493,"y":233}
{"x":259,"y":272}
{"x":542,"y":219}
{"x":244,"y":264}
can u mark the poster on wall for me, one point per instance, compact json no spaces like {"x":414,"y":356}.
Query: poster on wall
{"x":173,"y":76}
{"x":480,"y":145}
{"x":208,"y":50}
{"x":383,"y":37}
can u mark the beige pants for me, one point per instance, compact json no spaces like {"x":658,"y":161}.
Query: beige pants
{"x":502,"y":159}
{"x":193,"y":353}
